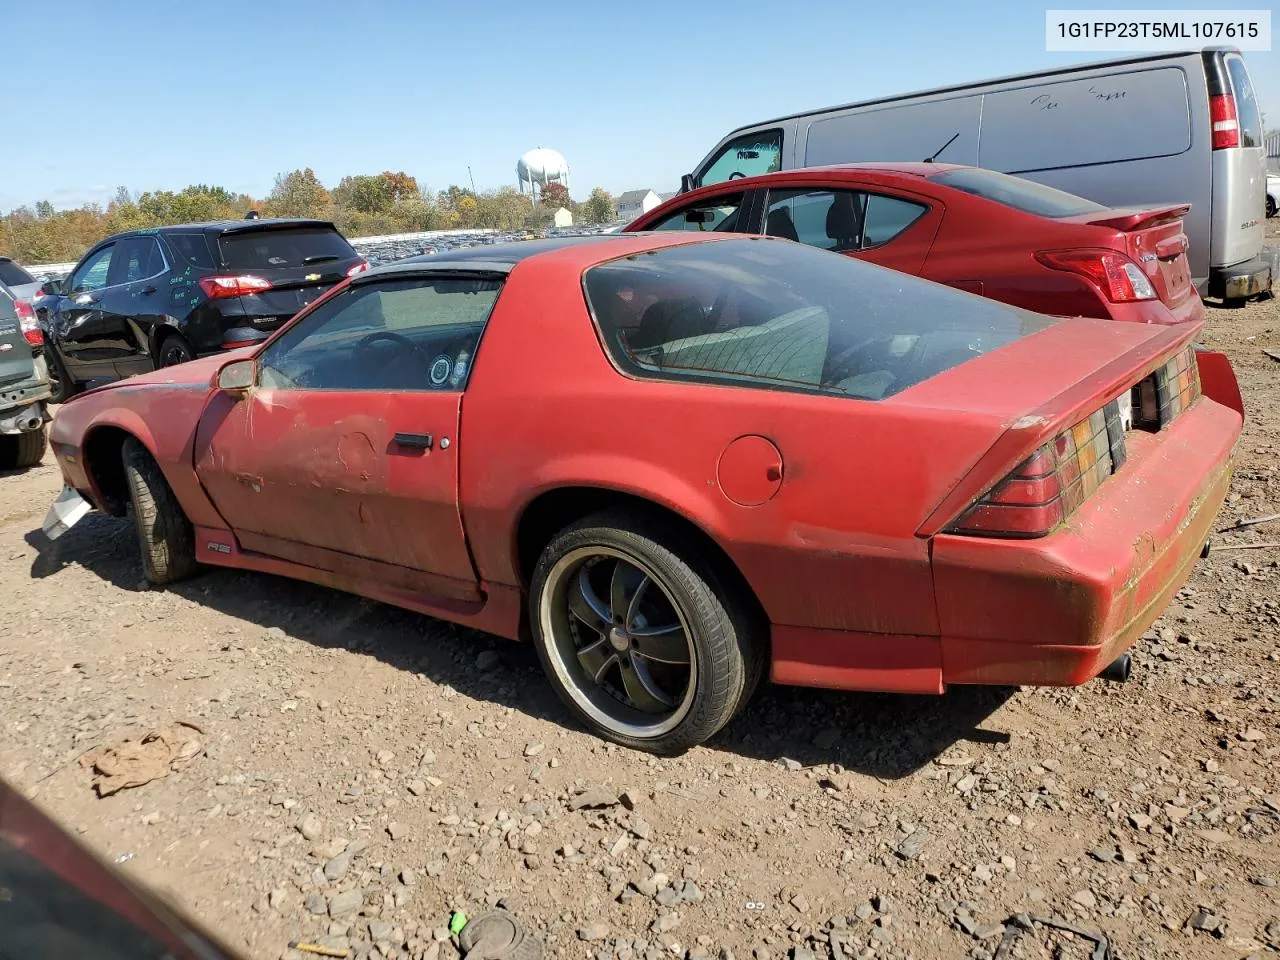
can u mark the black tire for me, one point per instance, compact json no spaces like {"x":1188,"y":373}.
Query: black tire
{"x":725,"y":639}
{"x":173,"y":350}
{"x":21,"y":450}
{"x":165,"y":536}
{"x":61,"y":387}
{"x":1271,"y":206}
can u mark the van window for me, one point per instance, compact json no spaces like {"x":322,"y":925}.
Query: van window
{"x":746,"y":156}
{"x":1247,"y":112}
{"x":1103,"y":119}
{"x":1024,"y":195}
{"x":908,"y":132}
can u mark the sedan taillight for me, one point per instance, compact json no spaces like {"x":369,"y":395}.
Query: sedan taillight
{"x":1119,"y":278}
{"x":221,"y":287}
{"x":31,"y":331}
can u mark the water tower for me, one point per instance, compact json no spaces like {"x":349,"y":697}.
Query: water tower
{"x":539,"y":167}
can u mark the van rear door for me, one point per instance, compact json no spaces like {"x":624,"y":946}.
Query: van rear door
{"x":1239,"y":161}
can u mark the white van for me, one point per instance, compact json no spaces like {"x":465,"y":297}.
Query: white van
{"x":1156,"y":129}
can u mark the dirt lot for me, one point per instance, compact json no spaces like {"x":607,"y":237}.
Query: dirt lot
{"x":365,"y":771}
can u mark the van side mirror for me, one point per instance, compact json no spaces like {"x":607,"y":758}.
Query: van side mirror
{"x":686,"y":183}
{"x":237,"y":377}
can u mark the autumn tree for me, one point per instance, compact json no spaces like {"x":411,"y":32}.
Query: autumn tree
{"x":299,"y":194}
{"x":556,"y":195}
{"x":599,"y":207}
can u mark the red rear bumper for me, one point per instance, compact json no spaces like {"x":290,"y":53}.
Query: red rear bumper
{"x":1057,"y":610}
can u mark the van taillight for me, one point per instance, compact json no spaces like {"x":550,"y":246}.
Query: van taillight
{"x":1048,"y":486}
{"x":1224,"y":121}
{"x":31,"y":331}
{"x":1119,"y":278}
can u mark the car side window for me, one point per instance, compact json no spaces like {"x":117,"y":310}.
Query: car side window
{"x":830,"y":219}
{"x":746,"y":156}
{"x":135,"y":258}
{"x":411,"y":334}
{"x":92,"y":274}
{"x":718,"y":215}
{"x":887,"y":217}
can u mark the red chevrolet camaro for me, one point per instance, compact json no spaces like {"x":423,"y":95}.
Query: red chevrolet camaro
{"x":989,"y":233}
{"x":676,"y":461}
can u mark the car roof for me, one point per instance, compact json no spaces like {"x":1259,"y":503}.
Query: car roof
{"x":504,"y":257}
{"x":220,"y":227}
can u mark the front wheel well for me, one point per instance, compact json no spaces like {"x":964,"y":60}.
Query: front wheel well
{"x":554,"y":510}
{"x":104,"y":465}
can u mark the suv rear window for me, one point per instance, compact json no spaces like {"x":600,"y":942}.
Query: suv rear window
{"x":1015,"y":192}
{"x":775,"y":315}
{"x":282,"y":249}
{"x":14,"y":275}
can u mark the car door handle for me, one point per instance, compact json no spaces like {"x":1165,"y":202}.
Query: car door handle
{"x":145,"y":291}
{"x":419,"y":441}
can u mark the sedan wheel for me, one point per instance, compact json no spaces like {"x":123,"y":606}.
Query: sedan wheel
{"x":636,"y":640}
{"x":1271,"y":206}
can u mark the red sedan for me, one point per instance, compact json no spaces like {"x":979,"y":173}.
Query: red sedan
{"x":978,"y":230}
{"x":675,"y":461}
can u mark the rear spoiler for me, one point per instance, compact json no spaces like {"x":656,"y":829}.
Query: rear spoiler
{"x":1130,"y":221}
{"x":254,"y":226}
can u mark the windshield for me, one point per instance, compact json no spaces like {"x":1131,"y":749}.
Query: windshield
{"x":267,"y":249}
{"x":14,"y":275}
{"x":780,"y":315}
{"x":1017,"y":193}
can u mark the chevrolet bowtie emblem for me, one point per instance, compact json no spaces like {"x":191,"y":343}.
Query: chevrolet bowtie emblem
{"x":312,"y":276}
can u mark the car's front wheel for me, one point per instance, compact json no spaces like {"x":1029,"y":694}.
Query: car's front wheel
{"x":638,"y":636}
{"x":164,"y":532}
{"x":61,"y":386}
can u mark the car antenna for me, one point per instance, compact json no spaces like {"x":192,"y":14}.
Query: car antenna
{"x":943,"y":147}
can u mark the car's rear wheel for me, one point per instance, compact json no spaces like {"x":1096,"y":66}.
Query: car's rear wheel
{"x":1271,"y":206}
{"x":21,"y":450}
{"x":61,"y":387}
{"x":637,"y":635}
{"x":164,"y":532}
{"x":174,"y":350}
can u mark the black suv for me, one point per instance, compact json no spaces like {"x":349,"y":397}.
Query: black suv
{"x":152,"y":298}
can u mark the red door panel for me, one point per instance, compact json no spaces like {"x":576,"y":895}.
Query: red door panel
{"x":318,"y":476}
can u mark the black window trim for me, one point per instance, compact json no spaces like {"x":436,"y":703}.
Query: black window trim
{"x":110,"y":242}
{"x":926,"y":203}
{"x":153,"y":237}
{"x":724,"y":145}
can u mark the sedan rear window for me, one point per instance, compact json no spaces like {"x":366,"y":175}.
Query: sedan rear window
{"x":282,"y":249}
{"x":776,"y":315}
{"x":1015,"y":192}
{"x":14,"y":275}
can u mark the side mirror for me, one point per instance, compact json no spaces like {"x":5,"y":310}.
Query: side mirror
{"x":237,"y":376}
{"x":51,"y":288}
{"x":686,"y":183}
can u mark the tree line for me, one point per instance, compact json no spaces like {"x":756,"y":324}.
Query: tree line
{"x":363,"y":205}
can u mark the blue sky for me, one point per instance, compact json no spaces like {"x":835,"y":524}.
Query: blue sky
{"x":158,"y":94}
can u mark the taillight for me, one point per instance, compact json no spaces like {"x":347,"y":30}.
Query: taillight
{"x":360,"y":267}
{"x":31,"y":331}
{"x":1119,"y":278}
{"x":220,"y":287}
{"x":1048,"y":486}
{"x":1225,"y":124}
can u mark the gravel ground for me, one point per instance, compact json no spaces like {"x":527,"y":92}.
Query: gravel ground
{"x":365,"y":771}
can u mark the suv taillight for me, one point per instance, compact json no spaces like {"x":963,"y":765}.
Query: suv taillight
{"x":31,"y":331}
{"x":1048,"y":486}
{"x":360,"y":267}
{"x":1119,"y":278}
{"x":220,"y":287}
{"x":1224,"y":121}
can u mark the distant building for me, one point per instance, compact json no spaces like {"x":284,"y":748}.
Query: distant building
{"x":563,"y":218}
{"x":635,"y":202}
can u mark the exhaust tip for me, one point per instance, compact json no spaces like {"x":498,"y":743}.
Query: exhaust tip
{"x":1118,"y":670}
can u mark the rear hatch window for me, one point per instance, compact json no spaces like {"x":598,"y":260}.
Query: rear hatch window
{"x":300,"y":263}
{"x":1017,"y":193}
{"x":13,"y":275}
{"x":769,"y":314}
{"x":258,"y":250}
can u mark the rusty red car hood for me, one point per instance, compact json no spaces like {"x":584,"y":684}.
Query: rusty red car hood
{"x":199,"y":371}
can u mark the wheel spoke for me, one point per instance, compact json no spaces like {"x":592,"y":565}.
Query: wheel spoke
{"x":596,"y":658}
{"x":633,"y":608}
{"x":626,"y":582}
{"x":643,"y":693}
{"x":664,"y":644}
{"x":587,"y":606}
